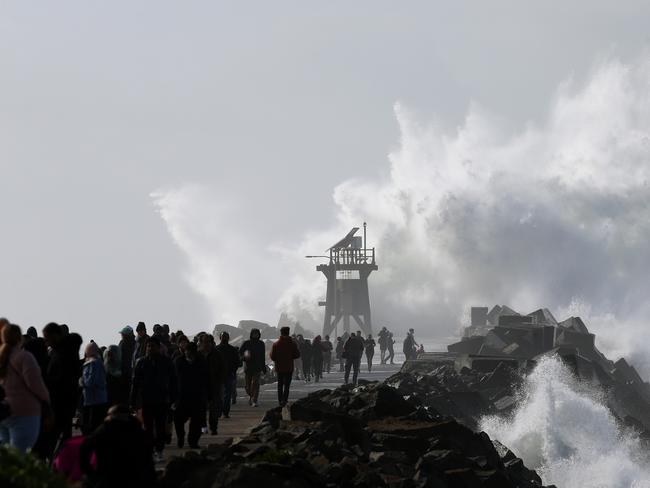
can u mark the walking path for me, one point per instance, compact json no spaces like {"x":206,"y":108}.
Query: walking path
{"x":244,"y":417}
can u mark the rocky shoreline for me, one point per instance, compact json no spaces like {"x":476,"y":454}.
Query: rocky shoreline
{"x":420,"y":427}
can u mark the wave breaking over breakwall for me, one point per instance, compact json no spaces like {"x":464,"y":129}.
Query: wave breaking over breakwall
{"x":568,"y":435}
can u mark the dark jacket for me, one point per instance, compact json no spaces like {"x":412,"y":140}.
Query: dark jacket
{"x":127,"y":348}
{"x":257,"y":360}
{"x":140,"y":350}
{"x":192,"y":380}
{"x":38,"y":348}
{"x":216,"y":372}
{"x":353,"y":348}
{"x":62,"y":377}
{"x":154,"y":381}
{"x":230,"y":357}
{"x":124,"y":455}
{"x":283,"y":353}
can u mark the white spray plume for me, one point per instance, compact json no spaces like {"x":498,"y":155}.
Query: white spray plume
{"x":568,"y":435}
{"x":555,"y":213}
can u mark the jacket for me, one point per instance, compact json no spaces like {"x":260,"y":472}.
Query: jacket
{"x":257,"y":360}
{"x":231,"y":361}
{"x":283,"y":353}
{"x":215,"y":370}
{"x":154,"y":381}
{"x":23,"y":385}
{"x":353,"y":347}
{"x":93,"y":382}
{"x":192,"y":380}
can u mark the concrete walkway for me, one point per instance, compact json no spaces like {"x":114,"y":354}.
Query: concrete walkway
{"x":244,"y":417}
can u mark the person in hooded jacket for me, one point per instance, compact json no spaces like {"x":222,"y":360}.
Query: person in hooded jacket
{"x":122,"y":451}
{"x":127,"y":349}
{"x":231,"y":362}
{"x":283,"y":353}
{"x":252,"y":352}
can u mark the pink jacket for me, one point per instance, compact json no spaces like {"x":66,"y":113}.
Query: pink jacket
{"x":23,"y":384}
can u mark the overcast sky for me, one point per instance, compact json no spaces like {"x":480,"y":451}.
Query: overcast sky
{"x":266,"y":106}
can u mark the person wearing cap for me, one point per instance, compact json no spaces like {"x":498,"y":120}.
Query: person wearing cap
{"x":127,"y":348}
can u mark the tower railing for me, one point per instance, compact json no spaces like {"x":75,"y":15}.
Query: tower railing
{"x":351,"y":255}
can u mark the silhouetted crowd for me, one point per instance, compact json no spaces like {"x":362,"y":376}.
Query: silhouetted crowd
{"x":127,"y":398}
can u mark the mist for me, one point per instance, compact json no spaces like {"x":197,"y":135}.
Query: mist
{"x":555,"y":214}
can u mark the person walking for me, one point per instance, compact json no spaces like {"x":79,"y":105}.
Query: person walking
{"x":154,"y":390}
{"x":25,"y":391}
{"x":231,"y":361}
{"x":306,"y":356}
{"x":253,"y":353}
{"x":317,"y":358}
{"x":127,"y":349}
{"x":327,"y":354}
{"x":339,"y":353}
{"x":297,"y":363}
{"x":122,"y":451}
{"x":369,"y":345}
{"x":382,"y":339}
{"x":390,"y":345}
{"x":192,"y":398}
{"x":409,"y":347}
{"x":216,"y":378}
{"x":283,"y":354}
{"x":93,"y":388}
{"x":352,"y":352}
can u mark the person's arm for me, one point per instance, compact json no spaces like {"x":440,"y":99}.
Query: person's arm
{"x":273,"y":353}
{"x":31,"y":373}
{"x":135,"y":387}
{"x":173,"y":382}
{"x":296,"y":351}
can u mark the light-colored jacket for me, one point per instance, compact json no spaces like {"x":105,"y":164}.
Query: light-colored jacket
{"x":24,"y":387}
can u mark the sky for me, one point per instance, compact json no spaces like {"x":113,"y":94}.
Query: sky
{"x":174,"y":162}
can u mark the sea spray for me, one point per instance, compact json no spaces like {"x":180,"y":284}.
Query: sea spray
{"x":568,"y":435}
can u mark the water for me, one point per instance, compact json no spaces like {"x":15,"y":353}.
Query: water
{"x":564,"y":431}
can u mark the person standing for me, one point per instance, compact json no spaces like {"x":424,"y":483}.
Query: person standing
{"x":216,"y":378}
{"x":369,"y":345}
{"x":93,"y":388}
{"x":192,"y":374}
{"x":298,"y":339}
{"x":352,"y":352}
{"x":317,"y":358}
{"x":141,"y":342}
{"x":62,"y":381}
{"x":154,"y":390}
{"x":25,"y":391}
{"x":382,"y":338}
{"x":253,"y":353}
{"x":231,"y":363}
{"x":127,"y":349}
{"x":339,"y":353}
{"x":283,"y":353}
{"x":327,"y":354}
{"x":306,"y":356}
{"x":116,"y":383}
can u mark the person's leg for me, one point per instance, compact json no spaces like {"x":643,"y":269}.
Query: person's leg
{"x":227,"y":397}
{"x":247,"y":385}
{"x":179,"y":425}
{"x":281,"y":377}
{"x":160,"y":422}
{"x":148,"y":421}
{"x":194,"y":433}
{"x":255,"y":387}
{"x":23,"y":431}
{"x":341,"y":365}
{"x":214,"y":410}
{"x":355,"y":366}
{"x":348,"y":365}
{"x":287,"y":386}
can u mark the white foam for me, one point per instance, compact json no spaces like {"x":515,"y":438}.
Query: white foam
{"x":566,"y":433}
